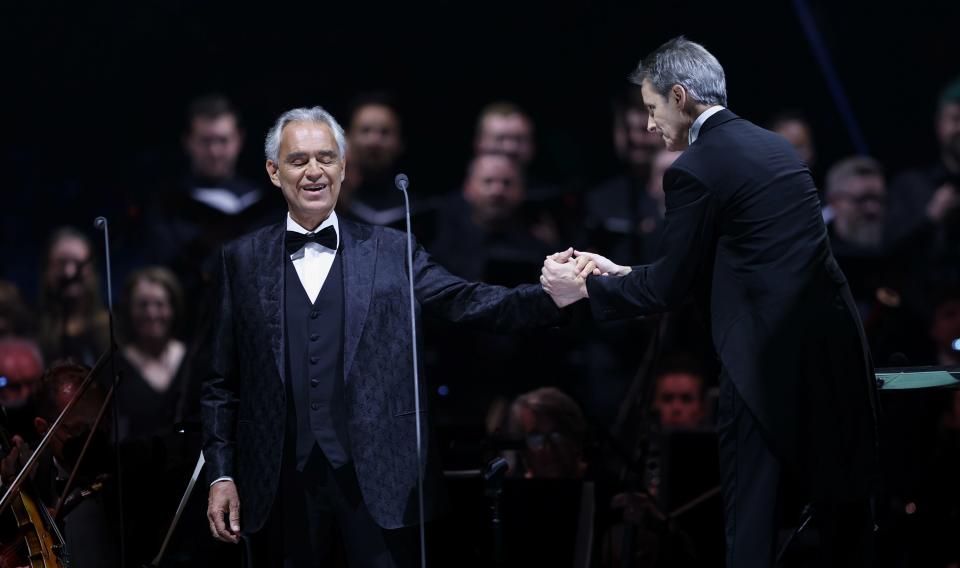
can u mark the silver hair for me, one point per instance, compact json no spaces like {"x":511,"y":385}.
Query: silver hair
{"x":688,"y":64}
{"x":271,"y":146}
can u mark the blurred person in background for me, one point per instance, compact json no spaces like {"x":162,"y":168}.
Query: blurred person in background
{"x":152,"y":357}
{"x":374,"y":147}
{"x":927,"y":200}
{"x":678,"y":399}
{"x":89,"y":521}
{"x":794,"y":126}
{"x":21,"y":366}
{"x":190,"y":217}
{"x":503,"y":127}
{"x":482,"y":236}
{"x":621,"y":213}
{"x":482,"y":225}
{"x":553,"y":427}
{"x":72,"y":320}
{"x":15,"y":316}
{"x":856,"y":192}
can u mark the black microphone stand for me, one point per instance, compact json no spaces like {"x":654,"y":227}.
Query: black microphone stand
{"x":402,"y":182}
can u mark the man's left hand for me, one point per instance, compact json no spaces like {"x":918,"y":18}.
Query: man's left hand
{"x":565,"y":281}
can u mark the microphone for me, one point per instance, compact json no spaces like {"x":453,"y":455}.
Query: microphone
{"x":402,"y":182}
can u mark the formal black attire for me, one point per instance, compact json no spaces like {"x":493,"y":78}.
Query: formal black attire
{"x":744,"y":234}
{"x":329,"y":426}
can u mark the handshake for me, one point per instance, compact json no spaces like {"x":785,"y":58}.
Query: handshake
{"x":564,"y":274}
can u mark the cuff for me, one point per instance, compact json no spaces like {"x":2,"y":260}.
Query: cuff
{"x":219,"y":479}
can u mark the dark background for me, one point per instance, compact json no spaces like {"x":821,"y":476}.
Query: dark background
{"x":95,"y":91}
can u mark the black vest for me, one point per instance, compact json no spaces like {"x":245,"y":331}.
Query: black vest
{"x":316,"y":408}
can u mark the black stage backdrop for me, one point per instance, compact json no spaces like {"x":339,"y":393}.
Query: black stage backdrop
{"x":94,"y":92}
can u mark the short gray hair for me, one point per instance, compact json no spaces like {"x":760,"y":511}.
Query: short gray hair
{"x":688,"y":64}
{"x":271,"y":147}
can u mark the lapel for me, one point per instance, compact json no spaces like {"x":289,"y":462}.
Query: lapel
{"x":269,"y":254}
{"x":359,"y":258}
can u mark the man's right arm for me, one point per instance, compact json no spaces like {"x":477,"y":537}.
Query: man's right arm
{"x":219,"y":410}
{"x":219,"y":401}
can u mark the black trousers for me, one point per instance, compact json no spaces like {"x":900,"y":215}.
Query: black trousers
{"x":763,"y":502}
{"x":319,"y":519}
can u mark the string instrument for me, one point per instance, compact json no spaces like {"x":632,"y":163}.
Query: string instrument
{"x":28,"y":535}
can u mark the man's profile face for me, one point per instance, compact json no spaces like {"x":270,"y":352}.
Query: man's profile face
{"x":309,"y":172}
{"x":510,"y":134}
{"x":678,"y":400}
{"x":374,"y":138}
{"x":494,"y":188}
{"x":213,"y":145}
{"x":948,"y":129}
{"x":665,"y":117}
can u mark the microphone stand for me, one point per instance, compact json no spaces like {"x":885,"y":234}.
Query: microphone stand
{"x":402,"y":182}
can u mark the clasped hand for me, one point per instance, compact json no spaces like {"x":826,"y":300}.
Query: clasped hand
{"x":564,"y":274}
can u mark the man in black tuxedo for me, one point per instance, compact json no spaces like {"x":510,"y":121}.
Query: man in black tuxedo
{"x":744,"y":235}
{"x":308,"y":412}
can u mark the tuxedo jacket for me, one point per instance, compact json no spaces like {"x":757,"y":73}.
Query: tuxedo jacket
{"x":744,"y":235}
{"x":244,"y":405}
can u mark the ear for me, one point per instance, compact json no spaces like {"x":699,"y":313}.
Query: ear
{"x":273,"y":171}
{"x":343,"y":169}
{"x":678,"y":96}
{"x":40,"y":425}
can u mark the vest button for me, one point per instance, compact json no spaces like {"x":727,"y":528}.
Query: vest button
{"x":314,"y":314}
{"x":314,"y":382}
{"x":314,"y":360}
{"x":315,"y":405}
{"x":314,"y":337}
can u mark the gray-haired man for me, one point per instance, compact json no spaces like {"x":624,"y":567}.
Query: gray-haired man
{"x":309,"y":411}
{"x":744,"y":236}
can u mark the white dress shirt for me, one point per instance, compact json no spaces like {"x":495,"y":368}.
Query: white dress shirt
{"x":695,"y":128}
{"x":312,"y":263}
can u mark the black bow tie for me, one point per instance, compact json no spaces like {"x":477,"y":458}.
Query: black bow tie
{"x":326,"y":237}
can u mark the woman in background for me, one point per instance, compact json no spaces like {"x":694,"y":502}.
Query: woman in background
{"x":152,"y":358}
{"x":73,"y":322}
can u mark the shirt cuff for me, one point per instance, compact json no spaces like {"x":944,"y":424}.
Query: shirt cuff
{"x":219,"y":479}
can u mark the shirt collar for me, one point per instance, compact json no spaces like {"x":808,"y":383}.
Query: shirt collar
{"x":698,"y":123}
{"x":329,"y":221}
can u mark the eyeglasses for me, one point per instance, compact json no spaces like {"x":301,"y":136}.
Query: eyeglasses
{"x":537,"y":440}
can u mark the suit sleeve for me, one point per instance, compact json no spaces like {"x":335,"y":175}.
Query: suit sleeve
{"x":220,"y":397}
{"x":689,"y":240}
{"x":479,"y":305}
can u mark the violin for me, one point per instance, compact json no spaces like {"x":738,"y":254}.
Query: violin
{"x":28,"y":535}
